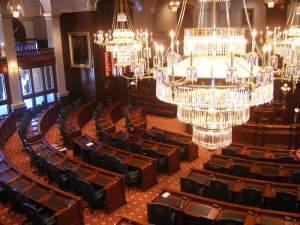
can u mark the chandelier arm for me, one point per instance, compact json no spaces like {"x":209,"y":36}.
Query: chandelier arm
{"x":214,"y":13}
{"x":134,"y":78}
{"x":114,"y":25}
{"x":290,"y":14}
{"x":130,"y":23}
{"x":251,"y":30}
{"x":294,"y":13}
{"x":178,"y":26}
{"x":202,"y":16}
{"x":227,"y":14}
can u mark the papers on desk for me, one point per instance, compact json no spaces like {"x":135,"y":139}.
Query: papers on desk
{"x":89,"y":144}
{"x":62,"y":149}
{"x":165,"y":195}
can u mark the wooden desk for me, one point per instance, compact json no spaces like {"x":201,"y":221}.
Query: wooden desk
{"x":64,"y":206}
{"x":48,"y":118}
{"x":237,"y":184}
{"x":146,"y":165}
{"x":112,"y":183}
{"x":259,"y":170}
{"x":78,"y":118}
{"x":170,"y":138}
{"x":261,"y":153}
{"x":137,"y":117}
{"x":267,"y":134}
{"x":187,"y":205}
{"x":128,"y":220}
{"x":8,"y":127}
{"x":171,"y":152}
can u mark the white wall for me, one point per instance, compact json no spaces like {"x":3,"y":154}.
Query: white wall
{"x":39,"y":27}
{"x":28,"y":25}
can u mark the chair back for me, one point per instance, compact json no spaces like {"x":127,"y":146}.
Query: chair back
{"x":240,"y":170}
{"x":252,"y":197}
{"x":295,"y":177}
{"x":285,"y":201}
{"x":218,"y":190}
{"x":190,"y":186}
{"x":160,"y":214}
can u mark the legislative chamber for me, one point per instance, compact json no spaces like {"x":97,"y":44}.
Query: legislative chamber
{"x":149,"y":112}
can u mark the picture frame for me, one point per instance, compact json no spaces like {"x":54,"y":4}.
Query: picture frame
{"x":80,"y":49}
{"x":244,"y":22}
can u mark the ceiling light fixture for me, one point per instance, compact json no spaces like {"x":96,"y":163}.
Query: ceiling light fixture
{"x":15,"y":7}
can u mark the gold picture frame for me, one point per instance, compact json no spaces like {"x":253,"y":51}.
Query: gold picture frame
{"x":80,"y":49}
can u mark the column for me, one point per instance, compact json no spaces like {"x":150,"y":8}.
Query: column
{"x":55,"y":41}
{"x":1,"y":31}
{"x":12,"y":62}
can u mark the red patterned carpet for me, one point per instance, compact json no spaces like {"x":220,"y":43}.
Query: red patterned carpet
{"x":136,"y":200}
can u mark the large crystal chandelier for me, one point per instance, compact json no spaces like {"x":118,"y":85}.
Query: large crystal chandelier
{"x":286,"y":45}
{"x":215,"y":82}
{"x":130,"y":49}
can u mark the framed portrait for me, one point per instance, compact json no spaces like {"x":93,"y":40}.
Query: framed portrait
{"x":80,"y":49}
{"x":251,"y":17}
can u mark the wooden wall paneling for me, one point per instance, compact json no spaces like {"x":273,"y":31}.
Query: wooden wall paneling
{"x":276,"y":16}
{"x":80,"y":81}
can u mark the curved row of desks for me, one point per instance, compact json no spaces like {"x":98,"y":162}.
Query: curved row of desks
{"x":262,"y":153}
{"x":187,"y":208}
{"x":270,"y":114}
{"x":240,"y":190}
{"x":112,"y":183}
{"x":278,"y":172}
{"x":64,"y":206}
{"x":86,"y":146}
{"x":167,"y":137}
{"x":283,"y":136}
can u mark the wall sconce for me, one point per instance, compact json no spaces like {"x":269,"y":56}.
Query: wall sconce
{"x":296,"y":115}
{"x":270,"y":3}
{"x":174,"y":5}
{"x":298,"y":10}
{"x":285,"y":89}
{"x":13,"y":67}
{"x":2,"y":51}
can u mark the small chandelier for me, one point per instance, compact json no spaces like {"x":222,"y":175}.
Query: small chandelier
{"x":15,"y":7}
{"x":286,"y":45}
{"x":270,"y":3}
{"x":129,"y":48}
{"x":174,"y":5}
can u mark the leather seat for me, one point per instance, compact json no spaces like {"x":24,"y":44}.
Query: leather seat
{"x":94,"y":196}
{"x":218,"y":190}
{"x":191,"y":186}
{"x":38,"y":216}
{"x":251,"y":197}
{"x":295,"y":177}
{"x":285,"y":201}
{"x":240,"y":170}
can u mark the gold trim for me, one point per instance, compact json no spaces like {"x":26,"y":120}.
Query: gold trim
{"x":71,"y":50}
